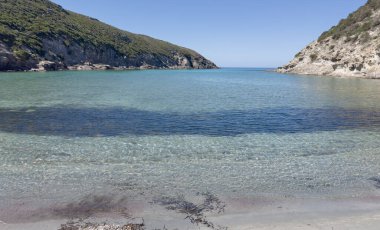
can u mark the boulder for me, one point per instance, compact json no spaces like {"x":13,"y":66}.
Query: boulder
{"x":50,"y":66}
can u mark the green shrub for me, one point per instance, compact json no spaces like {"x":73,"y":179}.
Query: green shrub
{"x":365,"y":37}
{"x":358,"y":22}
{"x":22,"y":55}
{"x":24,"y":23}
{"x":313,"y":57}
{"x":298,"y":54}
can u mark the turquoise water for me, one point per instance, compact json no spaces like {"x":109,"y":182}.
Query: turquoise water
{"x":142,"y":134}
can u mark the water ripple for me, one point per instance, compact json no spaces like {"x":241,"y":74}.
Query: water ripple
{"x":118,"y":121}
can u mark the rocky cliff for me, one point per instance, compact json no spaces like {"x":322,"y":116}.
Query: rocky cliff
{"x":350,"y":49}
{"x":41,"y":35}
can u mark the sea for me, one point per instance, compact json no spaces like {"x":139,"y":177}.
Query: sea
{"x":77,"y":143}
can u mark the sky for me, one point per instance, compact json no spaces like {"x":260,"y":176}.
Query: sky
{"x":232,"y":33}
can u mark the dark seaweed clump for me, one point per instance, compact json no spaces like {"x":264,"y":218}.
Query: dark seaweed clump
{"x":90,"y":205}
{"x":91,"y":226}
{"x":376,"y":180}
{"x":196,"y":213}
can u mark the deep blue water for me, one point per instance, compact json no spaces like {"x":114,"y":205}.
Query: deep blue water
{"x":118,"y":121}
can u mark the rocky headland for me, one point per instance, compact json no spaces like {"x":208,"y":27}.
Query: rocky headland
{"x":350,"y":49}
{"x":39,"y":35}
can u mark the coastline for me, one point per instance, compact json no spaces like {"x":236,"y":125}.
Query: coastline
{"x":101,"y":67}
{"x":303,"y":214}
{"x":240,"y":214}
{"x":334,"y":75}
{"x":52,"y":66}
{"x":253,"y":200}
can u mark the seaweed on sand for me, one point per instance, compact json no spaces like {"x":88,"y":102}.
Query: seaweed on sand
{"x":90,"y":205}
{"x":79,"y":212}
{"x":376,"y":180}
{"x":92,"y":226}
{"x":196,"y":213}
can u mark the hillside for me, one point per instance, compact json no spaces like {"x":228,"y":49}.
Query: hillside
{"x":41,"y":34}
{"x":350,"y":49}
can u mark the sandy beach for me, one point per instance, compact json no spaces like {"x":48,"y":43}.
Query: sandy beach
{"x":302,"y":214}
{"x":330,"y":214}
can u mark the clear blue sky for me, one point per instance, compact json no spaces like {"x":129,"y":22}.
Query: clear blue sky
{"x":232,"y":33}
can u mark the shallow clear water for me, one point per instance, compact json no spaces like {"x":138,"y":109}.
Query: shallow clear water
{"x":232,"y":132}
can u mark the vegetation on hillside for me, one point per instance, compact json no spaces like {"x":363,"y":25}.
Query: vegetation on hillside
{"x":24,"y":22}
{"x":355,"y":24}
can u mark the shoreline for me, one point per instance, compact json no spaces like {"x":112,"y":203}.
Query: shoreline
{"x":240,"y":214}
{"x":47,"y":66}
{"x":342,"y":76}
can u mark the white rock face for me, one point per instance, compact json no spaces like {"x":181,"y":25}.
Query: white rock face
{"x":337,"y":58}
{"x":348,"y":56}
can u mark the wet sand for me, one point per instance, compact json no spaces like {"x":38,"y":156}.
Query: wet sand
{"x":332,"y":214}
{"x":265,"y":214}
